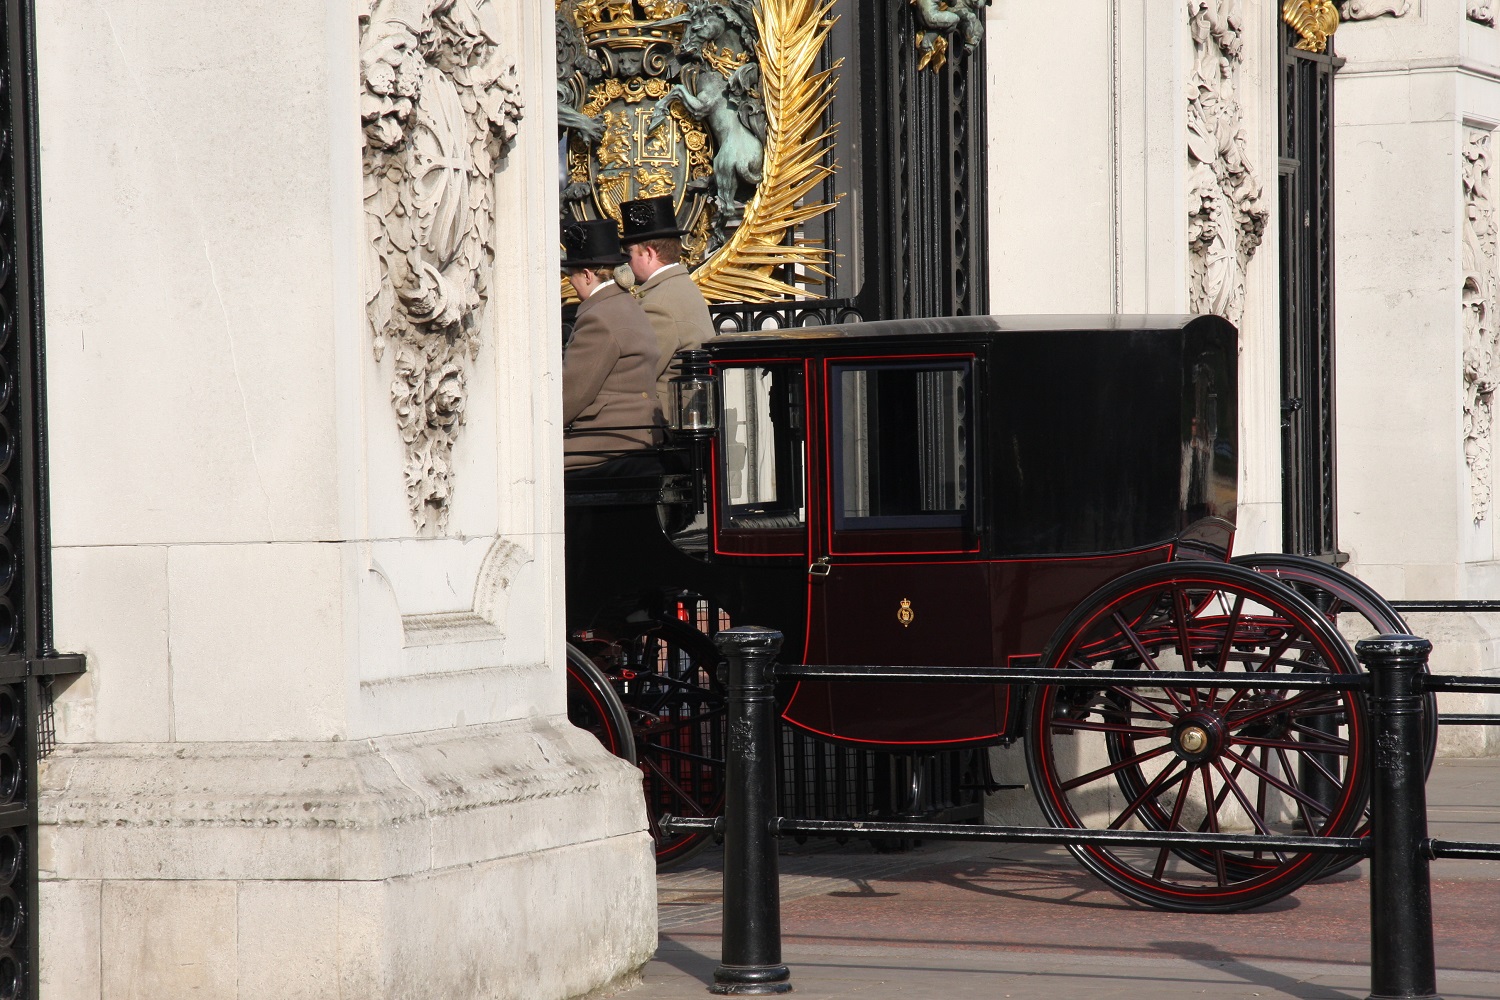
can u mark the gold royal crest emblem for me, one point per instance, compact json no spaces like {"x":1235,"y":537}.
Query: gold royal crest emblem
{"x":717,"y":104}
{"x":906,"y":615}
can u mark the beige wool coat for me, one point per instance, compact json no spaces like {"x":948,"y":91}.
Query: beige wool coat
{"x":679,"y":315}
{"x":609,"y":380}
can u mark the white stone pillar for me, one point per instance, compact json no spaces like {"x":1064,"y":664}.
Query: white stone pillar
{"x":319,"y":752}
{"x":1417,"y":104}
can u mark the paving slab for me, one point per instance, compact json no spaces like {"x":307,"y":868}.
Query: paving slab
{"x":950,"y":922}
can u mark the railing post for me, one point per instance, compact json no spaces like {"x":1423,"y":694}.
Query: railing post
{"x":750,"y":959}
{"x":1402,"y":963}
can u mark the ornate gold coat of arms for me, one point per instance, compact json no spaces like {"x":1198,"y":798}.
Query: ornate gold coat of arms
{"x":718,"y":104}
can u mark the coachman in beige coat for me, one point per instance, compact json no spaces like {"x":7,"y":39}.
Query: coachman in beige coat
{"x":677,"y":310}
{"x":610,"y":363}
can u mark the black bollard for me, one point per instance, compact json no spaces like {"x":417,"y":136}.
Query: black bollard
{"x":1402,"y":964}
{"x":750,"y":956}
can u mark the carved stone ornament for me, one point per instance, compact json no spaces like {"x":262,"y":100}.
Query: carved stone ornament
{"x":945,"y":22}
{"x":717,"y":104}
{"x":1479,"y":303}
{"x":1482,"y":12}
{"x":1226,"y":217}
{"x":440,"y":107}
{"x":1368,"y":10}
{"x":1314,"y":20}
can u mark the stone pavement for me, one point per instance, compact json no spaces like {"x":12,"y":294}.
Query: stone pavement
{"x":954,"y":922}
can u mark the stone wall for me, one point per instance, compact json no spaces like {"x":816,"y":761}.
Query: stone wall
{"x":1417,"y":104}
{"x":312,"y":552}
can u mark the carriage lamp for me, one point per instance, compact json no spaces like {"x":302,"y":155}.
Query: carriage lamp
{"x":695,"y":395}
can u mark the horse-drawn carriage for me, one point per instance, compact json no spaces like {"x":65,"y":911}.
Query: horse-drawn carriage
{"x":1047,"y":493}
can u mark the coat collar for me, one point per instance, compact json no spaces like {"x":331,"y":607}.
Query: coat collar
{"x":604,"y":294}
{"x":670,"y":271}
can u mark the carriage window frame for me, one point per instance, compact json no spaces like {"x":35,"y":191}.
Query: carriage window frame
{"x":955,"y":522}
{"x":734,"y":528}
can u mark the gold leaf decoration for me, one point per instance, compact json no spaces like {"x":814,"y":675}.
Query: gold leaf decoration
{"x":797,"y":96}
{"x":1314,"y":20}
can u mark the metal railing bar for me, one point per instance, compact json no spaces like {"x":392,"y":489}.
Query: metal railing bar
{"x":1449,"y":607}
{"x":1459,"y":682}
{"x":1462,"y":849}
{"x":1077,"y":678}
{"x":1469,"y":720}
{"x":1033,"y":835}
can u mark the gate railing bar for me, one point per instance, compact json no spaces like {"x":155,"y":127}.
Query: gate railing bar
{"x":1462,"y":849}
{"x":1402,"y":960}
{"x":1459,"y":682}
{"x":1032,"y":834}
{"x":1076,"y":678}
{"x":1445,"y":607}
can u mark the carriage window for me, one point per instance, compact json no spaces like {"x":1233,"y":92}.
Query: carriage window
{"x":763,"y":442}
{"x":901,"y":448}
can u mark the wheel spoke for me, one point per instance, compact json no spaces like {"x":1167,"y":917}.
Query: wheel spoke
{"x":1299,"y":747}
{"x":1148,"y":662}
{"x":1173,"y":823}
{"x":686,"y":755}
{"x":1269,"y":664}
{"x":1212,"y":819}
{"x":1147,"y":704}
{"x":1184,"y":643}
{"x":1340,"y":744}
{"x":1222,"y":663}
{"x":1114,"y":768}
{"x":670,"y":723}
{"x":1255,"y":816}
{"x":1083,"y":725}
{"x":678,"y":791}
{"x":1283,"y":786}
{"x":1287,"y":705}
{"x":1157,"y":783}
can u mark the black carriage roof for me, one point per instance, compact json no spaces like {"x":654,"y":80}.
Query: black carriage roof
{"x":963,"y":327}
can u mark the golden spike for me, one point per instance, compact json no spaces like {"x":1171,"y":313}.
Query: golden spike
{"x":792,"y":36}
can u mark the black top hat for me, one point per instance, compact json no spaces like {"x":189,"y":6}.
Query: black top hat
{"x":648,"y":219}
{"x":591,"y":243}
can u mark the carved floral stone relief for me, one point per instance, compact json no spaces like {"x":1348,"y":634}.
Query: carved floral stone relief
{"x":1368,"y":10}
{"x":440,"y":106}
{"x":1226,"y":217}
{"x":1479,"y":304}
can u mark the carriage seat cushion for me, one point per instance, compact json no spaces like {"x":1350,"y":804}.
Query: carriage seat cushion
{"x":764,"y":522}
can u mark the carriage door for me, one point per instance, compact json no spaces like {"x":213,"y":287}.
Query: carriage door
{"x":897,"y":578}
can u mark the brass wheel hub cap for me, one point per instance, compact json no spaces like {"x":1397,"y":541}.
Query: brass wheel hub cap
{"x":1199,"y":736}
{"x":1192,"y":739}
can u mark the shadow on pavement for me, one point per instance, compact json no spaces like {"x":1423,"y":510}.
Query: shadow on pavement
{"x":1209,"y":957}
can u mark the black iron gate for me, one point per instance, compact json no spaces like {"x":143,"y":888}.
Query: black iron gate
{"x":1307,"y":349}
{"x":910,"y":233}
{"x":28,"y":663}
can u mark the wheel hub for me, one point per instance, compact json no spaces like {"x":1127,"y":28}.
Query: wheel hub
{"x":1198,"y":736}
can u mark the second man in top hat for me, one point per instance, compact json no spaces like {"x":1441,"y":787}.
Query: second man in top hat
{"x":610,"y":364}
{"x":677,"y":310}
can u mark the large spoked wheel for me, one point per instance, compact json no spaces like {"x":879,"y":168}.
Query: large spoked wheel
{"x":1259,"y":760}
{"x":664,"y":675}
{"x":593,"y":705}
{"x":1359,"y":612}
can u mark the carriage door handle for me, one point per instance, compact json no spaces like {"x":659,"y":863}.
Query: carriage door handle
{"x":821,"y":568}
